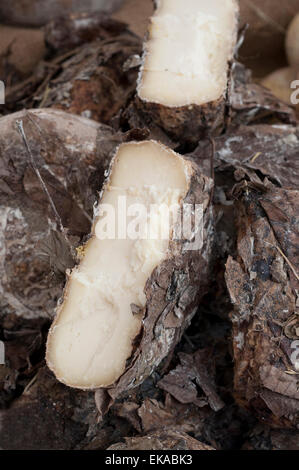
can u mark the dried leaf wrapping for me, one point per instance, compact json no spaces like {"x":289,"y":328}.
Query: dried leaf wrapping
{"x":163,"y":440}
{"x":193,"y":372}
{"x":252,"y":103}
{"x":65,"y":413}
{"x":65,"y":151}
{"x":271,"y":150}
{"x":265,"y":438}
{"x":90,"y":80}
{"x":263,"y":284}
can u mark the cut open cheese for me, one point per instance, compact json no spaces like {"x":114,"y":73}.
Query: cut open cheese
{"x":100,"y":316}
{"x":188,"y":51}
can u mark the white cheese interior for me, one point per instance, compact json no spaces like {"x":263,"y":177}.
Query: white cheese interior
{"x":187,"y":53}
{"x":92,"y":336}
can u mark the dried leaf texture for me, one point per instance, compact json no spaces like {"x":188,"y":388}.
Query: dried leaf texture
{"x":94,"y":80}
{"x":192,"y":374}
{"x":24,"y":353}
{"x":51,"y":416}
{"x":263,"y":286}
{"x":64,"y":148}
{"x":152,"y":415}
{"x":250,"y":103}
{"x":163,"y":440}
{"x":47,"y":416}
{"x":93,"y":83}
{"x":271,"y":151}
{"x":264,"y":438}
{"x":187,"y":124}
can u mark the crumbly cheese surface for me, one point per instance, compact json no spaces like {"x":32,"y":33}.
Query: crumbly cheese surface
{"x":187,"y":53}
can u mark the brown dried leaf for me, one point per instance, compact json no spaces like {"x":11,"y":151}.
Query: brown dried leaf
{"x":264,"y":438}
{"x":193,"y":372}
{"x":64,"y":149}
{"x":278,"y":381}
{"x":265,"y":304}
{"x":273,"y":151}
{"x":152,"y":415}
{"x":89,"y":81}
{"x":162,"y":440}
{"x":251,"y":103}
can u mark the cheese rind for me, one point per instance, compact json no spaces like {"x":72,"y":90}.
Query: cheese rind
{"x":187,"y":54}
